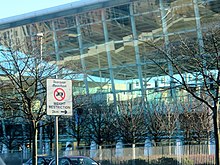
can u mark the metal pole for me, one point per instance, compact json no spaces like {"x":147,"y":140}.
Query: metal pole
{"x":36,"y":152}
{"x":56,"y":140}
{"x":40,"y":36}
{"x":56,"y":117}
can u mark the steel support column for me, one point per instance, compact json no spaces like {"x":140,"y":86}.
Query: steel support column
{"x":198,"y":27}
{"x":81,"y":55}
{"x":55,"y":42}
{"x":137,"y":53}
{"x":167,"y":49}
{"x":109,"y":55}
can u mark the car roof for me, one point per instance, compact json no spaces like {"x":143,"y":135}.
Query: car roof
{"x":76,"y":156}
{"x":44,"y":156}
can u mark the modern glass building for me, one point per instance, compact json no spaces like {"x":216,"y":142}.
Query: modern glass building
{"x":104,"y":42}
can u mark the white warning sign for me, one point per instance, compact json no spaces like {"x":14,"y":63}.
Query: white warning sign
{"x":59,"y":97}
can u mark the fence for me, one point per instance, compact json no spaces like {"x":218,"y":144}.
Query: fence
{"x":185,"y":155}
{"x":111,"y":155}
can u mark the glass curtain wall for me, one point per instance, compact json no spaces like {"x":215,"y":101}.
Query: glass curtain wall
{"x":104,"y":51}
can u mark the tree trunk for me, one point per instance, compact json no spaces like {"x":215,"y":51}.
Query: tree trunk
{"x":34,"y":144}
{"x":78,"y":142}
{"x":216,"y":133}
{"x":51,"y":145}
{"x":4,"y":134}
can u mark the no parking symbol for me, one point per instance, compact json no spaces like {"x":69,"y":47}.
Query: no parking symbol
{"x":59,"y":94}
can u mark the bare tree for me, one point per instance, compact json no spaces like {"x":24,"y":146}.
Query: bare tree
{"x":199,"y":60}
{"x":49,"y":130}
{"x":195,"y":122}
{"x":202,"y":128}
{"x":99,"y":122}
{"x":162,"y":120}
{"x":25,"y":72}
{"x":11,"y":127}
{"x":77,"y":125}
{"x":11,"y":135}
{"x":130,"y":122}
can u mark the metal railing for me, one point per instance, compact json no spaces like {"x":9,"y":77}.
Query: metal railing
{"x":186,"y":154}
{"x":111,"y":155}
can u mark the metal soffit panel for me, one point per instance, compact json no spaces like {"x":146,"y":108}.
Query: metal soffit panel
{"x":58,"y":11}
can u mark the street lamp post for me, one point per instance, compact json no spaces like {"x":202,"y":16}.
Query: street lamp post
{"x":40,"y":37}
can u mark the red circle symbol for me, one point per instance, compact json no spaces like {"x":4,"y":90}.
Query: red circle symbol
{"x":59,"y":94}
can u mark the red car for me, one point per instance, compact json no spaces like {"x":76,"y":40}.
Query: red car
{"x":75,"y":160}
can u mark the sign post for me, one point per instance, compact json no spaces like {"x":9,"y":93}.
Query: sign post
{"x":59,"y":102}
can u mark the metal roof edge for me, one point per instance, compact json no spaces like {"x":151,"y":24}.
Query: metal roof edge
{"x":57,"y":11}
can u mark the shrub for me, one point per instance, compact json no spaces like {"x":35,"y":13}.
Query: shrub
{"x":165,"y":161}
{"x":187,"y":161}
{"x":137,"y":162}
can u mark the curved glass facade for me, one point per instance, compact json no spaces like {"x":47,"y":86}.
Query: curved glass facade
{"x":104,"y":47}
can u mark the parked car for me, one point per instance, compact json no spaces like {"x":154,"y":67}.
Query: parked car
{"x":75,"y":160}
{"x":41,"y":160}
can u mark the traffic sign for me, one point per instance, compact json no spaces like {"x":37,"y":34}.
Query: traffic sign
{"x":59,"y":97}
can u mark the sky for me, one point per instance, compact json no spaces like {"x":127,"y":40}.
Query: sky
{"x":10,"y":8}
